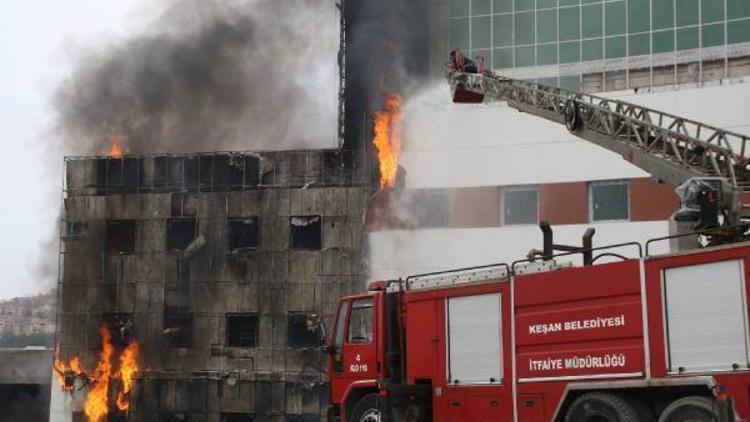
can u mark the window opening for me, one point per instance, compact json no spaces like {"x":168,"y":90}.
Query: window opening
{"x":244,"y":233}
{"x":242,"y":330}
{"x":120,"y":325}
{"x":306,"y":232}
{"x":75,"y":230}
{"x":236,"y":417}
{"x":120,"y":236}
{"x":303,"y":330}
{"x":180,"y":233}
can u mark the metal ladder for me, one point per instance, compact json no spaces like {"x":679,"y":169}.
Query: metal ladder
{"x":672,"y":149}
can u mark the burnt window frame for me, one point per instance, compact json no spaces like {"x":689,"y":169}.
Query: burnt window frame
{"x":109,"y":248}
{"x":169,"y":246}
{"x":228,"y":337}
{"x":305,"y":246}
{"x":242,"y":220}
{"x":120,"y":326}
{"x":314,"y":335}
{"x":182,"y":341}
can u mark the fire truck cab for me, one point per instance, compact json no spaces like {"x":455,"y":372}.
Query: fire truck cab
{"x":650,"y":338}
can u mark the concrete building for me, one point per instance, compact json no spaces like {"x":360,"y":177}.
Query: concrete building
{"x":225,"y":267}
{"x":488,"y":174}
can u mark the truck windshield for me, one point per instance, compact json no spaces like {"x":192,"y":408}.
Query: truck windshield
{"x":360,"y":321}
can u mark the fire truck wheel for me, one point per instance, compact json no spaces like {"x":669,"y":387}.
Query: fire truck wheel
{"x":693,"y":409}
{"x":367,"y":409}
{"x":601,"y":407}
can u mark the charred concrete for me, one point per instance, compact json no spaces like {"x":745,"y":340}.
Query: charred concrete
{"x":225,"y":266}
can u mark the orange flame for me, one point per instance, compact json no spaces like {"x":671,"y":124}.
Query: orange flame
{"x":66,"y":371}
{"x":96,"y":405}
{"x":115,"y":150}
{"x":97,"y":400}
{"x":128,"y":369}
{"x":388,"y":139}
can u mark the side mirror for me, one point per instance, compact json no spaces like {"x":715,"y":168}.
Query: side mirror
{"x":330,"y":349}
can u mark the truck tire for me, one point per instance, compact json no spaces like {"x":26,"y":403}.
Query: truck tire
{"x":601,"y":407}
{"x":645,"y":413}
{"x":367,"y":409}
{"x":692,"y":409}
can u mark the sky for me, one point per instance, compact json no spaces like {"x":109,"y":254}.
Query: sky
{"x":39,"y":41}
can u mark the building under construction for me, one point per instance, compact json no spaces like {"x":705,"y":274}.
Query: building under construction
{"x":223,"y":267}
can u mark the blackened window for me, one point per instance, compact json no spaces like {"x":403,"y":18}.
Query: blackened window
{"x":180,"y":233}
{"x":609,"y":201}
{"x":306,"y":232}
{"x":120,"y":325}
{"x":303,"y":330}
{"x":303,"y":418}
{"x":178,"y":328}
{"x":242,"y":330}
{"x":244,"y":233}
{"x":236,"y":417}
{"x":120,"y":236}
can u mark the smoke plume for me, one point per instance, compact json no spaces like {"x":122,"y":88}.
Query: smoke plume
{"x":209,"y":75}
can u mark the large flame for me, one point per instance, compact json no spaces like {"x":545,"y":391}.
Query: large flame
{"x":388,"y":139}
{"x":97,"y":399}
{"x":128,"y":369}
{"x":120,"y":377}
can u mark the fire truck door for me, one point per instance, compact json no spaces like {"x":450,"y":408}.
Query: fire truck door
{"x":355,"y":355}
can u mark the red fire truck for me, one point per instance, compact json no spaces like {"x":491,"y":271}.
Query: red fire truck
{"x":621,"y":338}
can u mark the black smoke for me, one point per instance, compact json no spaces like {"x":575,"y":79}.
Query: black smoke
{"x":209,"y":75}
{"x":387,"y":50}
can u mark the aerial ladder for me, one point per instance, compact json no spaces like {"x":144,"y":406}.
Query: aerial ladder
{"x":710,"y":165}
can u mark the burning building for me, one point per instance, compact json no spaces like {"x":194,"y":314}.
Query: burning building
{"x":199,"y":286}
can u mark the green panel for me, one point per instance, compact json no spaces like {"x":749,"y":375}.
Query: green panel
{"x":570,"y":23}
{"x":502,"y":6}
{"x":459,"y":7}
{"x":688,"y":38}
{"x":524,"y":56}
{"x":687,"y":12}
{"x":546,"y":54}
{"x":547,"y":81}
{"x":639,"y":44}
{"x":615,"y":18}
{"x":592,"y":21}
{"x":738,"y":31}
{"x":712,"y":11}
{"x":615,"y":47}
{"x":481,"y":7}
{"x":459,"y":33}
{"x":738,"y":9}
{"x":545,"y":4}
{"x":639,"y":15}
{"x":570,"y":52}
{"x":662,"y":15}
{"x":524,"y":5}
{"x":713,"y":35}
{"x":502,"y":27}
{"x":502,"y":58}
{"x":593,"y":49}
{"x":524,"y":28}
{"x":570,"y":2}
{"x":546,"y":26}
{"x":481,"y":32}
{"x":572,"y":83}
{"x":663,"y":41}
